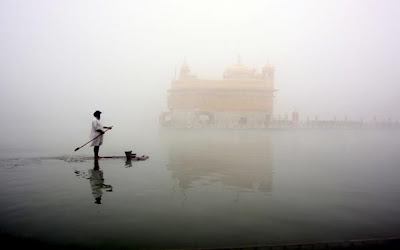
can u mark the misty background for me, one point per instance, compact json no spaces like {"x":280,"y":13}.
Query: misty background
{"x":62,"y":60}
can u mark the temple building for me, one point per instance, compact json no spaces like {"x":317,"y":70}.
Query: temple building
{"x":243,"y":98}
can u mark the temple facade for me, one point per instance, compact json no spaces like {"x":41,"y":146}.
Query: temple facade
{"x":243,"y":98}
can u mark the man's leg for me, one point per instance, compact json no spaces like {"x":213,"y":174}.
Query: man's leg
{"x":96,"y":152}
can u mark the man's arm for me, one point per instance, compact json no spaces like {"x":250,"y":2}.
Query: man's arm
{"x":101,"y":131}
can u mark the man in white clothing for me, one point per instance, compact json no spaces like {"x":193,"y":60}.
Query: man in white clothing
{"x":97,"y":133}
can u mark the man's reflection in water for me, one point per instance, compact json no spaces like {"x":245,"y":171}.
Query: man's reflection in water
{"x":97,"y":182}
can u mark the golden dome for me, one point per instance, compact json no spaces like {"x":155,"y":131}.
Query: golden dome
{"x":185,"y":70}
{"x":268,"y":67}
{"x":239,"y":71}
{"x":185,"y":66}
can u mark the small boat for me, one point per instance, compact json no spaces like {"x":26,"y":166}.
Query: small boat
{"x":128,"y":156}
{"x":132,"y":157}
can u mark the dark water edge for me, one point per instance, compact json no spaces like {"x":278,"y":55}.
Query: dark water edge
{"x":372,"y":244}
{"x":19,"y":242}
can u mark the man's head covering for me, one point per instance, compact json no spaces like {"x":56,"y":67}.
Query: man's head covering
{"x":97,"y":113}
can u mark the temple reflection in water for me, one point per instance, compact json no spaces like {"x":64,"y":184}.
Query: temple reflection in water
{"x":241,"y":160}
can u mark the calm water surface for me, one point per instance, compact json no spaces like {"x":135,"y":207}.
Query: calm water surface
{"x":210,"y":188}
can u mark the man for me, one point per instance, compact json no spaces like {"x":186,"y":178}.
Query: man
{"x":97,"y":131}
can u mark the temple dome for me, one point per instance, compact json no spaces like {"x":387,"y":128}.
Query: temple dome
{"x":239,"y":71}
{"x":268,"y":67}
{"x":185,"y":70}
{"x":268,"y":71}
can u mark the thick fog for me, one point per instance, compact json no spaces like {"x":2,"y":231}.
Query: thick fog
{"x":62,"y":60}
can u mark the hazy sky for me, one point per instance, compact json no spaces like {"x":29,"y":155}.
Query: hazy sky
{"x":61,"y":60}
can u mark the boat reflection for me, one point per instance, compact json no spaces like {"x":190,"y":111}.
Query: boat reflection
{"x":241,"y":160}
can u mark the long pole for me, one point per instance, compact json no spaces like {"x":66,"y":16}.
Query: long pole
{"x":89,"y":141}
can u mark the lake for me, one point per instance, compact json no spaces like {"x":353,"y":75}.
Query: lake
{"x":210,"y":188}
